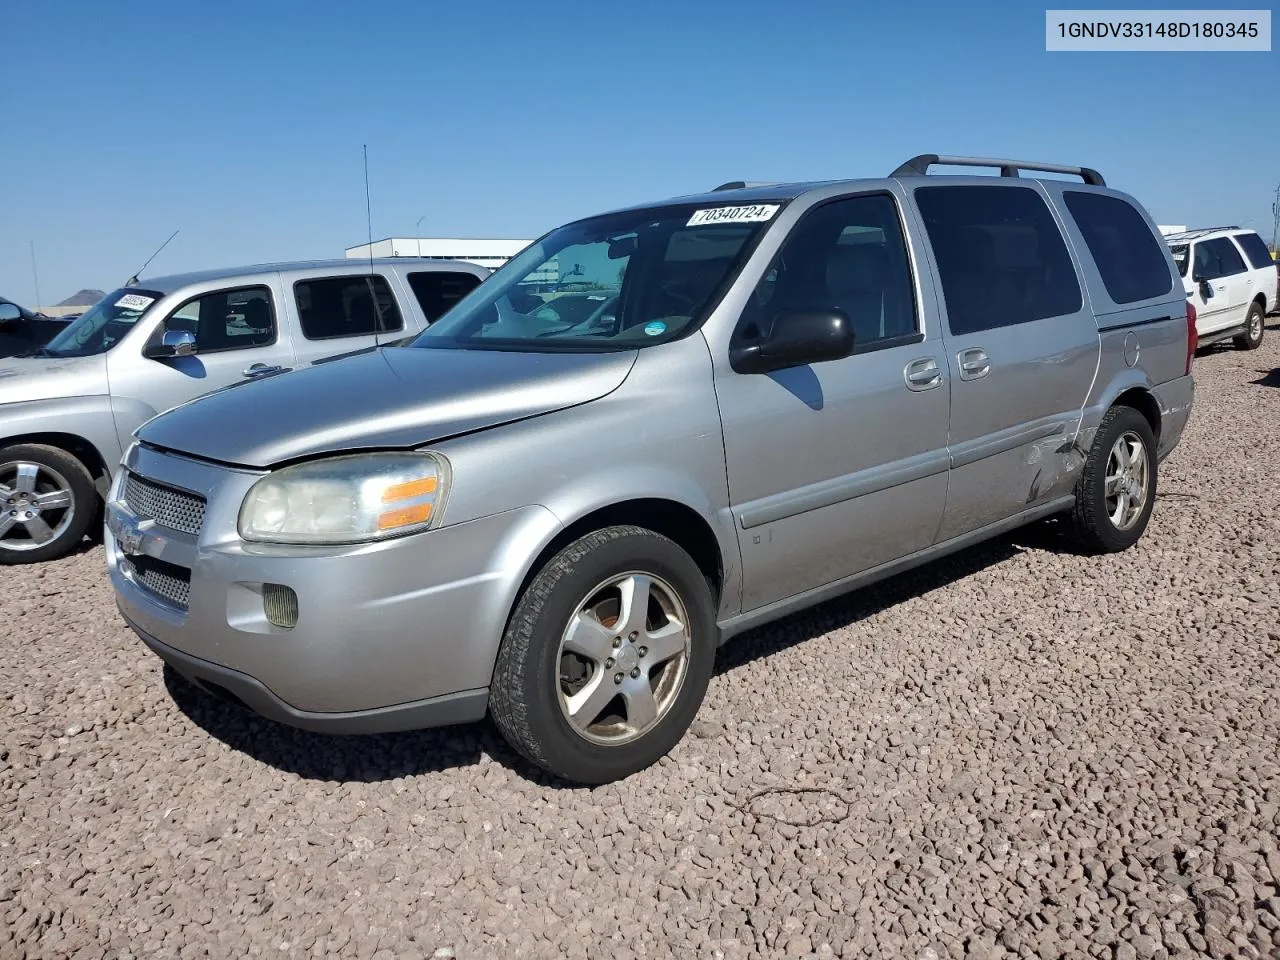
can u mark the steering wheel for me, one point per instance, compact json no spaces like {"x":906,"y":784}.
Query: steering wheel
{"x":588,"y":322}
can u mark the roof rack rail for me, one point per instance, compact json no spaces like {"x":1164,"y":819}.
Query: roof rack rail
{"x":742,"y":185}
{"x":919,"y":167}
{"x":1197,"y":231}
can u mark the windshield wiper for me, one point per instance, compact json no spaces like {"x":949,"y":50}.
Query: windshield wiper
{"x":37,"y":353}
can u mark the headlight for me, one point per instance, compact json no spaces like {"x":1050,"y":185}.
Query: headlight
{"x":346,"y":499}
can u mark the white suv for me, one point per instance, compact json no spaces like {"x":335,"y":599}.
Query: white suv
{"x":1230,"y":279}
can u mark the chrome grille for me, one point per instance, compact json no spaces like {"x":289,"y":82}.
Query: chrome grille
{"x":166,"y":580}
{"x":175,"y":509}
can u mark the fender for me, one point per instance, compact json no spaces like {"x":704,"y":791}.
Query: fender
{"x":87,"y":418}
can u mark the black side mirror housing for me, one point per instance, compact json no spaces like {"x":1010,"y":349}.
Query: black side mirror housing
{"x":798,"y":338}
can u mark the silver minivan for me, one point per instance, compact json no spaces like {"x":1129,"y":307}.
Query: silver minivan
{"x":553,"y":506}
{"x":68,"y":409}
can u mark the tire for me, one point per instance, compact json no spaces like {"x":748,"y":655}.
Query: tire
{"x":1093,"y":518}
{"x":536,"y":677}
{"x":1254,"y":325}
{"x":32,"y":531}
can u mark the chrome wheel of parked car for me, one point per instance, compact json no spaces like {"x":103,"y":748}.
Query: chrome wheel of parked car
{"x":623,"y":658}
{"x":1126,"y":487}
{"x":36,"y":505}
{"x":607,"y":655}
{"x":1117,"y":489}
{"x":46,"y":503}
{"x":1254,"y":327}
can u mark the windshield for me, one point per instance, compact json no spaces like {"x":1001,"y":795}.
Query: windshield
{"x":615,"y":282}
{"x":1180,"y":257}
{"x":103,"y":325}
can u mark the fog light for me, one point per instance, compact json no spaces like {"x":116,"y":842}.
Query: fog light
{"x":281,"y":604}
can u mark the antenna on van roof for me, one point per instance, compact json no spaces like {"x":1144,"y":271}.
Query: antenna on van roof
{"x":368,"y":207}
{"x":134,"y":279}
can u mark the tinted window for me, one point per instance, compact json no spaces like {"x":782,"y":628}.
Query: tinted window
{"x":1217,"y":258}
{"x":346,"y":307}
{"x":1181,"y":256}
{"x":438,"y":290}
{"x":1001,"y":258}
{"x":1128,"y":256}
{"x":1254,"y":249}
{"x":227,"y":319}
{"x":848,"y":255}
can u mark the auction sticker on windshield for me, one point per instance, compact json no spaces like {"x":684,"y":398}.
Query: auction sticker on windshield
{"x":132,"y":301}
{"x":754,"y":213}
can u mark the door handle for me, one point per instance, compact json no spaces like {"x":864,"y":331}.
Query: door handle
{"x":262,"y":370}
{"x":974,"y":363}
{"x":922,"y":374}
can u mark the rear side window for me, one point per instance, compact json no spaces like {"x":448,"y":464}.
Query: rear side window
{"x":346,"y":307}
{"x":438,"y":290}
{"x":1217,"y":258}
{"x":1001,"y":258}
{"x":1128,"y":256}
{"x":1254,"y":249}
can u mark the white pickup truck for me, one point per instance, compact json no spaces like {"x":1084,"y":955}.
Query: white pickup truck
{"x":1230,"y":279}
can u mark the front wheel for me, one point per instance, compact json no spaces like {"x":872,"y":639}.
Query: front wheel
{"x":607,"y":656}
{"x":1251,"y":339}
{"x":1117,"y":489}
{"x":47,"y":502}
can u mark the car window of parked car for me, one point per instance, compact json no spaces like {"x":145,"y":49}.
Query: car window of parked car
{"x":1181,"y":257}
{"x":227,"y":319}
{"x":849,"y":255}
{"x":1216,"y":258}
{"x":438,"y":290}
{"x":1254,"y":249}
{"x":104,"y":324}
{"x":1001,"y":258}
{"x":352,"y":306}
{"x":628,"y":280}
{"x":1129,"y":258}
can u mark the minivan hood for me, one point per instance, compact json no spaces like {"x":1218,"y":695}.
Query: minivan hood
{"x":51,"y":378}
{"x":398,"y":397}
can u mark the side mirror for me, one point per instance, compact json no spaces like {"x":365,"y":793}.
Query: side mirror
{"x":174,"y":343}
{"x":798,"y":338}
{"x":9,"y":312}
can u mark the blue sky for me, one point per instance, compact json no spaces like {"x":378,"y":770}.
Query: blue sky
{"x":241,"y":124}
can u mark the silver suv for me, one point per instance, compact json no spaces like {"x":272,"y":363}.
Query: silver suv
{"x":69,"y":408}
{"x":758,"y":398}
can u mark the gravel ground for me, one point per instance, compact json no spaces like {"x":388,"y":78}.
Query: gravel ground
{"x":1015,"y":752}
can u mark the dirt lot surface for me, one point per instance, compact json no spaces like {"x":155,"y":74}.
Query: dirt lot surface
{"x":1015,"y":752}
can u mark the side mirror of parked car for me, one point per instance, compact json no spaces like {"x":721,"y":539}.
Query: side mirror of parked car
{"x":174,"y":343}
{"x":798,"y":337}
{"x":9,"y":312}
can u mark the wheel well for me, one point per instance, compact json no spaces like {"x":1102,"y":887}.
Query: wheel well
{"x":673,"y":520}
{"x":1261,"y":300}
{"x":1142,"y":401}
{"x":78,"y":447}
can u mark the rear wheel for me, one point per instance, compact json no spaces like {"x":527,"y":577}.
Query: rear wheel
{"x":607,"y":656}
{"x":1254,"y":325}
{"x":47,"y":502}
{"x":1117,"y":489}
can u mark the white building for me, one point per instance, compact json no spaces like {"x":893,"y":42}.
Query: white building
{"x":484,"y":253}
{"x":1166,"y":230}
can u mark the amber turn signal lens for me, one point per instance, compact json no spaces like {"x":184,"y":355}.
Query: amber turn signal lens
{"x":418,"y":513}
{"x":411,"y":488}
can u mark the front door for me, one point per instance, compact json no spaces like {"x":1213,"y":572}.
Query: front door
{"x":837,"y":467}
{"x":1221,"y":285}
{"x":237,"y":339}
{"x":1021,"y":347}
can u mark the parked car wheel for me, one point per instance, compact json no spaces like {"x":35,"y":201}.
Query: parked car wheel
{"x":47,"y":502}
{"x":1254,"y":324}
{"x":1117,"y":490}
{"x":607,"y":656}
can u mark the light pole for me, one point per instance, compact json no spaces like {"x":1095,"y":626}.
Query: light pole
{"x":417,"y":229}
{"x":1275,"y":222}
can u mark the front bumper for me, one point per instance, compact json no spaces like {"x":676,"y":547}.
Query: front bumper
{"x":398,"y":634}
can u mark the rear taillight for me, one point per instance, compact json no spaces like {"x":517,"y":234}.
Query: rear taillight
{"x":1193,"y":338}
